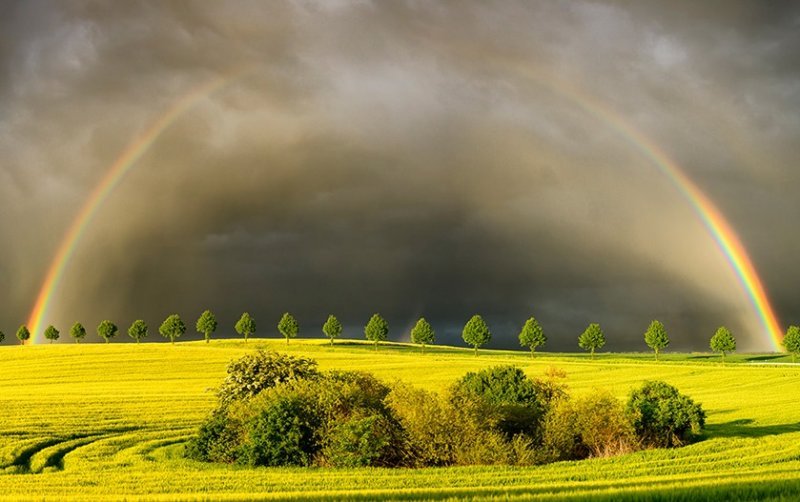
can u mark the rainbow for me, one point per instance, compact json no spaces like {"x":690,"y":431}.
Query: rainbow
{"x":723,"y":234}
{"x":121,"y":166}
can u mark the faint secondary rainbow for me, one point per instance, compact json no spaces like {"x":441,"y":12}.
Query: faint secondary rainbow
{"x":121,"y":166}
{"x":722,"y":232}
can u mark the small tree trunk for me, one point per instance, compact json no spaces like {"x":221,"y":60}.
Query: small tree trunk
{"x":423,"y":348}
{"x":532,"y":349}
{"x":208,"y":337}
{"x":656,"y":354}
{"x":287,"y":340}
{"x":106,"y":340}
{"x":138,"y":340}
{"x":331,"y":341}
{"x":376,"y":345}
{"x":476,"y":351}
{"x":592,"y":353}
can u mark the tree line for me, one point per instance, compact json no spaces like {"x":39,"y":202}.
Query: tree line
{"x":476,"y":333}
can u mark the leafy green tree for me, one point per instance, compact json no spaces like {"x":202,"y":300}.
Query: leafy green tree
{"x":77,"y":331}
{"x":422,"y":333}
{"x":172,"y":327}
{"x":723,"y":341}
{"x":107,"y":330}
{"x":476,"y":332}
{"x":288,"y":326}
{"x":138,"y":330}
{"x":656,"y":337}
{"x":206,"y":324}
{"x":592,"y":339}
{"x":246,"y":326}
{"x":532,"y":335}
{"x":791,"y":341}
{"x":51,"y":333}
{"x":377,"y":330}
{"x":23,"y":334}
{"x":332,"y":328}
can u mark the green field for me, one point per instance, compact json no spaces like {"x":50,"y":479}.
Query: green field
{"x":97,"y":421}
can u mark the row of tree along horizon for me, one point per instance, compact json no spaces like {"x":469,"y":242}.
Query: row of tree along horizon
{"x":476,"y":333}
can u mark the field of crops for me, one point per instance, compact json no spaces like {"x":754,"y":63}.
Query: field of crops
{"x":97,"y":421}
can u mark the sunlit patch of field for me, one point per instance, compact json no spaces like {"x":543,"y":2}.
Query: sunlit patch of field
{"x":97,"y":421}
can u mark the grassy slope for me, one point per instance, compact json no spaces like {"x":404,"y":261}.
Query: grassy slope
{"x":95,"y":421}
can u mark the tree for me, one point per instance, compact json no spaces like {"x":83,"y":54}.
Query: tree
{"x":656,"y":337}
{"x":532,"y":335}
{"x":2,"y":336}
{"x":246,"y":326}
{"x":332,"y":328}
{"x":77,"y":331}
{"x":663,"y":417}
{"x":376,"y":330}
{"x":206,"y":324}
{"x":51,"y":333}
{"x":23,"y":334}
{"x":476,"y":332}
{"x":107,"y":330}
{"x":791,"y":341}
{"x":723,"y":341}
{"x":172,"y":327}
{"x":138,"y":330}
{"x":592,"y":339}
{"x":423,"y":333}
{"x":288,"y":326}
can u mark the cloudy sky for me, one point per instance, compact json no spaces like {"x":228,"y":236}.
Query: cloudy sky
{"x":411,"y":158}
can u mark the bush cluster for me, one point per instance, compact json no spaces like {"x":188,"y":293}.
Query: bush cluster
{"x":278,"y":410}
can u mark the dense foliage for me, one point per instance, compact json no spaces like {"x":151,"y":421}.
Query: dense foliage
{"x":422,"y":333}
{"x":246,"y":325}
{"x":723,"y":341}
{"x":173,"y":327}
{"x":662,"y":416}
{"x":656,"y":337}
{"x":376,"y":330}
{"x":107,"y":330}
{"x":476,"y":332}
{"x":288,"y":326}
{"x":791,"y":342}
{"x":332,"y":327}
{"x":138,"y":330}
{"x":23,"y":334}
{"x":78,"y":332}
{"x":206,"y":324}
{"x":51,"y":333}
{"x":279,"y":410}
{"x":532,"y":335}
{"x":592,"y":338}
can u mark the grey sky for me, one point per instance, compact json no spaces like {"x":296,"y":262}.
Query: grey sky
{"x":397,"y":157}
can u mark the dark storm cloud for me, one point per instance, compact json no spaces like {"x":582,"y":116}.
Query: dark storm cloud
{"x":398,"y":157}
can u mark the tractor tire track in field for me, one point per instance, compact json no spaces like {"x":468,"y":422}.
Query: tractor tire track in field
{"x":48,"y":454}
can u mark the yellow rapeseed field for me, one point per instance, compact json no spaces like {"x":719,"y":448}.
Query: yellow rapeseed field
{"x":108,"y":421}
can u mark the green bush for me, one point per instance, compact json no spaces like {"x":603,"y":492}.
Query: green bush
{"x":510,"y":398}
{"x":217,"y":441}
{"x":602,"y":425}
{"x":283,"y":432}
{"x":256,"y":372}
{"x":662,"y":417}
{"x":361,"y":442}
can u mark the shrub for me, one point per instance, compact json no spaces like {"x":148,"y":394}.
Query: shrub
{"x":508,"y":396}
{"x":256,"y":372}
{"x":283,"y":432}
{"x":602,"y":425}
{"x":561,"y":437}
{"x":663,"y":417}
{"x":217,"y":441}
{"x":434,"y":429}
{"x":361,"y":442}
